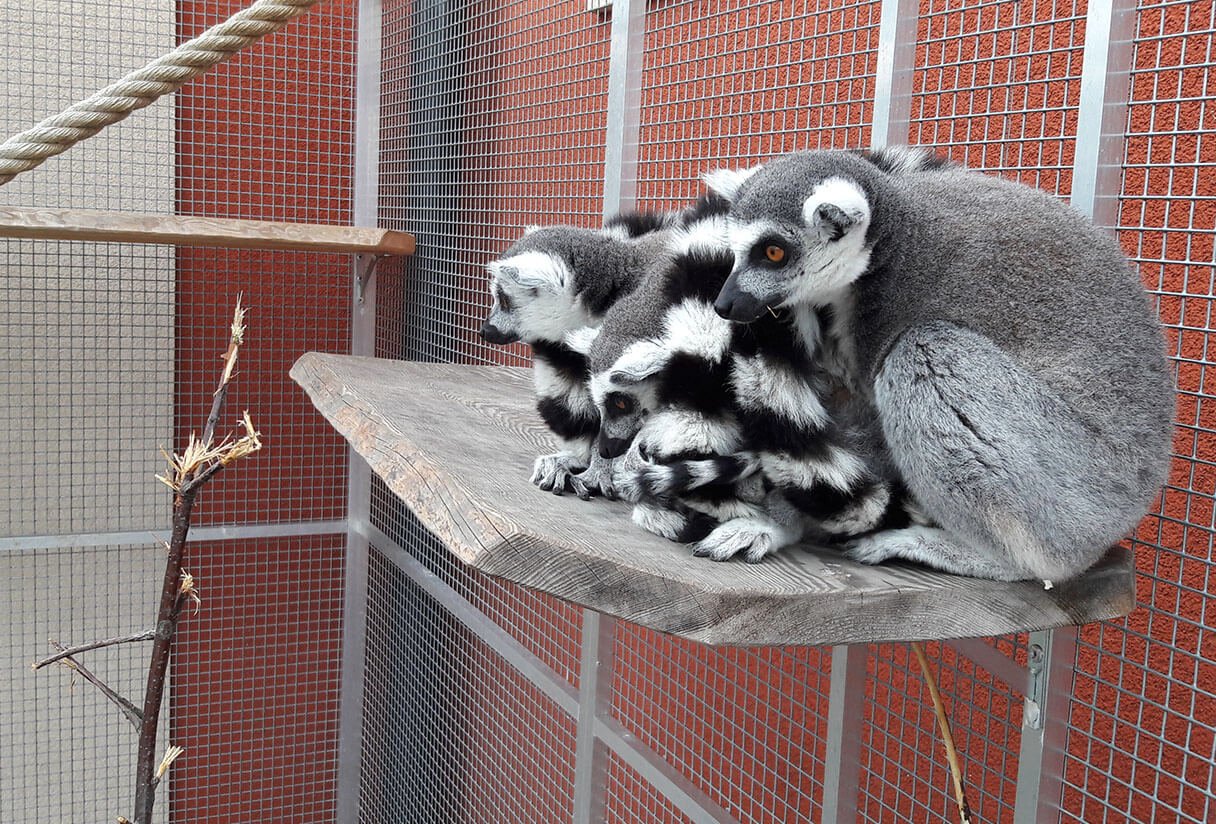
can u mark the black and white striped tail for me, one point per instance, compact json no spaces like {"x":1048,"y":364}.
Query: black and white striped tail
{"x":674,"y":521}
{"x":683,"y":476}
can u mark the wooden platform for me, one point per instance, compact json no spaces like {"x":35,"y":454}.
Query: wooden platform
{"x":228,"y":233}
{"x":456,"y":443}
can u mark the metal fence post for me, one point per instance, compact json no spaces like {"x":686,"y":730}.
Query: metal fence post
{"x":893,"y":73}
{"x":594,"y":701}
{"x":624,"y":105}
{"x":842,"y":749}
{"x":362,"y":342}
{"x":620,"y":188}
{"x":1045,"y":725}
{"x":846,"y":700}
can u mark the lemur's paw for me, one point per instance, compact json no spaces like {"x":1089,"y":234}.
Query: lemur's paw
{"x":596,"y":478}
{"x":553,"y":472}
{"x":625,"y":472}
{"x":753,"y":538}
{"x":878,"y":547}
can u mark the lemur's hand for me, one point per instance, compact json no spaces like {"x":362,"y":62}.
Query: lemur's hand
{"x":553,"y":472}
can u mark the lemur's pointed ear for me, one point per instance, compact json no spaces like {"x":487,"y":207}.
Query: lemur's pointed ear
{"x":727,"y":182}
{"x":641,"y":360}
{"x":835,"y":208}
{"x":581,"y":340}
{"x":538,"y":271}
{"x":531,"y":228}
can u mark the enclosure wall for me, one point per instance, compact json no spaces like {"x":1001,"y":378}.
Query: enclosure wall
{"x":112,"y":351}
{"x":493,"y":117}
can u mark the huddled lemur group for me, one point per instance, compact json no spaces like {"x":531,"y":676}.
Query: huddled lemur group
{"x":880,"y":350}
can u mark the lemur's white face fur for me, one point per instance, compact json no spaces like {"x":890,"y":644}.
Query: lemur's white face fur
{"x":534,"y":299}
{"x":805,"y":261}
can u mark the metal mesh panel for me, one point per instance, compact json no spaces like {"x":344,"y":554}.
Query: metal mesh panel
{"x":1144,"y":706}
{"x":996,"y":86}
{"x":255,"y":699}
{"x":442,"y":704}
{"x":51,"y":717}
{"x":905,"y":770}
{"x":296,"y":302}
{"x":111,"y":351}
{"x":745,"y":725}
{"x":631,"y":800}
{"x":749,"y":80}
{"x":493,"y":119}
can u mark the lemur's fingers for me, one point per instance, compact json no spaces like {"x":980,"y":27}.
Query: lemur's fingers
{"x":754,"y":538}
{"x":550,"y":472}
{"x":580,"y":489}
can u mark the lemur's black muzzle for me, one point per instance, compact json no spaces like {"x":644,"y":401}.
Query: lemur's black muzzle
{"x":492,"y":334}
{"x":736,"y":305}
{"x":612,"y":447}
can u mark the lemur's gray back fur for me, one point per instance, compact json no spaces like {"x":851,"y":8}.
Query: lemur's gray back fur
{"x":1012,"y":353}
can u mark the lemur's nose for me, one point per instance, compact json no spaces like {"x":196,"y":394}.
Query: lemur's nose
{"x":735,"y":304}
{"x":613,"y":447}
{"x":492,"y":334}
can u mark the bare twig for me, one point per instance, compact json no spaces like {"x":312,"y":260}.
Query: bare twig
{"x":64,"y":652}
{"x":199,"y":462}
{"x":201,"y":459}
{"x":956,"y":770}
{"x":128,"y":709}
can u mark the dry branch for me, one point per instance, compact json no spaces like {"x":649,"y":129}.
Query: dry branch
{"x":65,"y":652}
{"x":956,"y":770}
{"x":187,"y":473}
{"x":128,"y":709}
{"x":200,"y":461}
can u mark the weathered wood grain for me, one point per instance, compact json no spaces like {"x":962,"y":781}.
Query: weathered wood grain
{"x":456,"y":443}
{"x":130,"y":227}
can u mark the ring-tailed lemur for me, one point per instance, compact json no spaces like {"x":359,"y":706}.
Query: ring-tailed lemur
{"x":660,"y":370}
{"x":1013,"y":359}
{"x":713,"y":403}
{"x":551,"y":281}
{"x":788,"y":369}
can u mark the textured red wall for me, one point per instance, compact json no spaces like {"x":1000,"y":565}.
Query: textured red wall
{"x":269,"y":136}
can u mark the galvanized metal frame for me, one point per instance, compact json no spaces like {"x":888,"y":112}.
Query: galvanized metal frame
{"x":366,"y":181}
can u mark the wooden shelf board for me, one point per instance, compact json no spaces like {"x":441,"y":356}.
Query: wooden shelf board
{"x":456,"y":444}
{"x":229,"y":233}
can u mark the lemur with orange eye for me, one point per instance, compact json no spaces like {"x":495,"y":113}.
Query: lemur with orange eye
{"x":1012,"y":358}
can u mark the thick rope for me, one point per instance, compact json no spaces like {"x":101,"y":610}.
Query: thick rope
{"x":162,"y":76}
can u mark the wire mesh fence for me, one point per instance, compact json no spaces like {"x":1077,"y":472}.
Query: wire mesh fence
{"x":494,"y":117}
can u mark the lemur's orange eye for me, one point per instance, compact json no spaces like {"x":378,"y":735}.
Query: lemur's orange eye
{"x":619,"y":403}
{"x":774,"y":253}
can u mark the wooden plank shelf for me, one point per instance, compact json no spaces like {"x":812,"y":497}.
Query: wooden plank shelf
{"x":228,"y":233}
{"x":456,"y":444}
